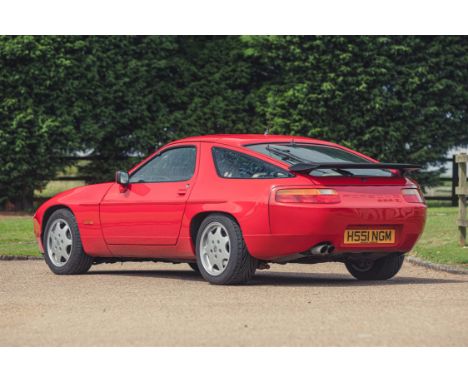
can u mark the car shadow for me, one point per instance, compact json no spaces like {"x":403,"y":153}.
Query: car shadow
{"x":338,"y":280}
{"x":269,"y":278}
{"x":164,"y":274}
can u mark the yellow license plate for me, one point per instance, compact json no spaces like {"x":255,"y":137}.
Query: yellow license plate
{"x":369,"y":236}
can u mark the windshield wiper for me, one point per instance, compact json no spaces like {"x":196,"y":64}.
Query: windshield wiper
{"x":284,"y":154}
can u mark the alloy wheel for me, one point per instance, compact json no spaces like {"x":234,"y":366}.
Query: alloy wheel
{"x":215,"y":248}
{"x":59,"y":242}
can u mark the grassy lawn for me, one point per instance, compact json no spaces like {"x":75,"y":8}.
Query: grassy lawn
{"x":439,"y":242}
{"x":16,"y":232}
{"x":17,"y":236}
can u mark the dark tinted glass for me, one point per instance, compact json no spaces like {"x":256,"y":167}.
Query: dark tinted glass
{"x":309,"y":153}
{"x":232,"y":164}
{"x":173,"y":165}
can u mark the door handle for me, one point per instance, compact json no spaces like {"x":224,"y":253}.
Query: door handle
{"x":183,"y":191}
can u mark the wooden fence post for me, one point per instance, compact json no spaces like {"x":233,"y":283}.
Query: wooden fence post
{"x":462,"y":192}
{"x":454,"y":182}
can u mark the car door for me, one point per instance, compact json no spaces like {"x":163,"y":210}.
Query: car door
{"x":149,"y":211}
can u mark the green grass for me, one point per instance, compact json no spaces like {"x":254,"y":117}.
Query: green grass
{"x":17,"y":236}
{"x":438,"y":244}
{"x":16,"y":232}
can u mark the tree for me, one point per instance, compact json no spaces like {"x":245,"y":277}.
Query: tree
{"x":217,"y":82}
{"x":111,"y":97}
{"x":121,"y":89}
{"x":394,"y":98}
{"x":129,"y":95}
{"x":34,"y":129}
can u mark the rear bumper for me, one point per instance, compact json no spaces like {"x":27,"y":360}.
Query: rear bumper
{"x":296,"y":229}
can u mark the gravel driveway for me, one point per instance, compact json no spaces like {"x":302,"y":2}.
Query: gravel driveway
{"x":293,"y":305}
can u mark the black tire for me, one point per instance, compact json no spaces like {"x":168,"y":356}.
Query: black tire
{"x":381,"y":269}
{"x":194,"y":266}
{"x":78,"y":262}
{"x":241,"y":266}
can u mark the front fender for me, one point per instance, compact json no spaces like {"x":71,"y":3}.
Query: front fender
{"x":83,"y":202}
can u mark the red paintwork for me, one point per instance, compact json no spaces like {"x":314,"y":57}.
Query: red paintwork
{"x":153,"y":219}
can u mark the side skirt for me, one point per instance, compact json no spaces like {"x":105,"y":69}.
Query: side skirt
{"x":112,"y":260}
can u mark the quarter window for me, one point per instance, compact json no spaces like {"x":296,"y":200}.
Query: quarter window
{"x":233,"y":164}
{"x":173,"y":165}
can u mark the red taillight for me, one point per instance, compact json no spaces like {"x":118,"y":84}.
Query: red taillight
{"x":412,"y":195}
{"x":308,"y":195}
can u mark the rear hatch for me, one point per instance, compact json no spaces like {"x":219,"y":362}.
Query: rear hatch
{"x":355,"y":203}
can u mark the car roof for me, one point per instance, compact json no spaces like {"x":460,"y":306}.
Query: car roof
{"x":246,"y":139}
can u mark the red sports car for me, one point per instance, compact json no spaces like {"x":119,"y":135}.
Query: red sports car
{"x":229,"y":204}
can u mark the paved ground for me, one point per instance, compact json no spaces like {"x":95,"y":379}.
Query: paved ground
{"x":157,"y":304}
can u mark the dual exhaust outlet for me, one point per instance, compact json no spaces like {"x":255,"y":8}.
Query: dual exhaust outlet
{"x":322,"y":249}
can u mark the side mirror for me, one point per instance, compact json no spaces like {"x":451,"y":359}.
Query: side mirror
{"x":122,"y":178}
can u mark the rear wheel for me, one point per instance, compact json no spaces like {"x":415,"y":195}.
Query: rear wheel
{"x":381,"y":269}
{"x":62,"y":244}
{"x":222,"y":256}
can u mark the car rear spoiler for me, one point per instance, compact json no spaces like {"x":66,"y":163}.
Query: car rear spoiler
{"x":404,"y":168}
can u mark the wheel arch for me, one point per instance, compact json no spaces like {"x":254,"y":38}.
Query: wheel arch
{"x":197,"y":220}
{"x":48,"y":213}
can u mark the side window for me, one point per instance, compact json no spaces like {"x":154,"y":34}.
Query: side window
{"x":233,"y":164}
{"x":173,"y":165}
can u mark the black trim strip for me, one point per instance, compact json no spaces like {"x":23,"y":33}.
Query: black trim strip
{"x":308,"y":167}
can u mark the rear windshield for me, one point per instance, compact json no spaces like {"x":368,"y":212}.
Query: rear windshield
{"x":292,"y":153}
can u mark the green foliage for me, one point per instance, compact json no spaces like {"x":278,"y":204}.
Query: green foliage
{"x":394,"y":98}
{"x":35,"y":130}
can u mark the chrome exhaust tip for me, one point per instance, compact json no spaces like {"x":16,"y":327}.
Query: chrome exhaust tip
{"x":321,"y":249}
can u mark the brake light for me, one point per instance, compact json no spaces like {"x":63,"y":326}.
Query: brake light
{"x":412,"y":195}
{"x":308,"y":195}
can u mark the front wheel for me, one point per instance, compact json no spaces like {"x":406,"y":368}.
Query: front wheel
{"x":222,"y":255}
{"x":62,"y":243}
{"x":381,"y":269}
